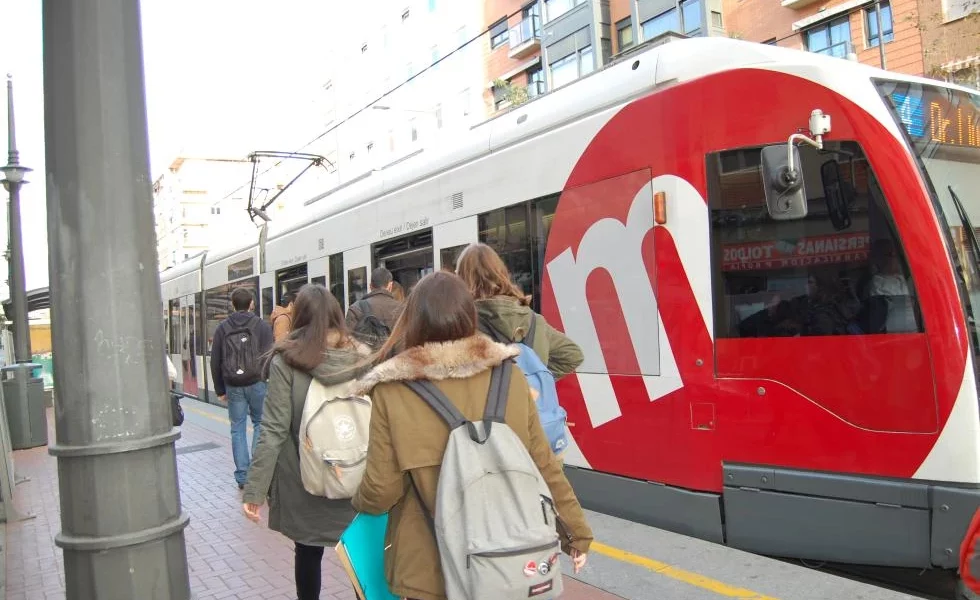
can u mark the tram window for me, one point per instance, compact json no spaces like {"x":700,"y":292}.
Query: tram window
{"x":219,"y":305}
{"x":336,"y":271}
{"x":806,"y":277}
{"x":449,"y":256}
{"x":267,"y":302}
{"x":356,"y":284}
{"x":196,"y":316}
{"x":521,"y":247}
{"x":322,"y":280}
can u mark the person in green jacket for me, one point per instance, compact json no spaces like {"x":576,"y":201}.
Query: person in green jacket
{"x":318,"y":346}
{"x":503,"y":305}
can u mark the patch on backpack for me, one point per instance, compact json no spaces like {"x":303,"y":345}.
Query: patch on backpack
{"x":344,"y":428}
{"x":531,"y":568}
{"x":537,"y":590}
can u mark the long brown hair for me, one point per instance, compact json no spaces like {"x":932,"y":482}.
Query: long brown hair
{"x":439,"y":309}
{"x":486,"y":275}
{"x":318,"y":325}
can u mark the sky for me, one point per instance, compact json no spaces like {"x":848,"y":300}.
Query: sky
{"x":223,"y":78}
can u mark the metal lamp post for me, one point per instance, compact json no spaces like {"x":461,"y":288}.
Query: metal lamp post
{"x":23,"y":398}
{"x":13,"y":179}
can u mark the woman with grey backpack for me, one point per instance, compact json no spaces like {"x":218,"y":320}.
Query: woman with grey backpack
{"x":478,"y":505}
{"x":317,"y":348}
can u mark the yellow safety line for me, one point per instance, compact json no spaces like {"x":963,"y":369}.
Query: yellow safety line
{"x":661,"y":568}
{"x":223,"y":420}
{"x":705,"y":583}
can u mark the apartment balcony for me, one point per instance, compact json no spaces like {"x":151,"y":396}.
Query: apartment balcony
{"x":797,"y":4}
{"x":525,"y":37}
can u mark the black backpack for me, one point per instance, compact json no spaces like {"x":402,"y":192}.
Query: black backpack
{"x":370,"y":329}
{"x":241,"y":360}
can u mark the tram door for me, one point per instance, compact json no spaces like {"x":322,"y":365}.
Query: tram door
{"x":409,"y":257}
{"x":450,"y":239}
{"x":188,"y":340}
{"x":290,"y":279}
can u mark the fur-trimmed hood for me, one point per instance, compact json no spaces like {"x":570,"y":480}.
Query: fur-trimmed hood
{"x":436,"y":361}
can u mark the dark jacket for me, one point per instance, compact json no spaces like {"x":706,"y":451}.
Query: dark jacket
{"x":407,"y":438}
{"x":383,"y":305}
{"x":274,"y":474}
{"x":235,"y":321}
{"x":553,"y":347}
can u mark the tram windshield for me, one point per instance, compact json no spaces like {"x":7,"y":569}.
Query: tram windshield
{"x":943,"y":128}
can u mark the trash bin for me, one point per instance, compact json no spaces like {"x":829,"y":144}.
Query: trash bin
{"x":26,"y":414}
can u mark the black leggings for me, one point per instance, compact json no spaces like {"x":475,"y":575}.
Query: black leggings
{"x":308,"y":571}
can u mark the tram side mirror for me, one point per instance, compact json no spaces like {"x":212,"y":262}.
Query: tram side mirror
{"x":785,"y":194}
{"x":838,"y":195}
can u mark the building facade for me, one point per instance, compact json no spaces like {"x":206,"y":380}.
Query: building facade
{"x":539,"y":46}
{"x":192,"y":205}
{"x":407,"y":82}
{"x":950,"y":32}
{"x":840,"y":28}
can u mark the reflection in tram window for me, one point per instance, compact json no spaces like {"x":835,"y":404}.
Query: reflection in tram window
{"x":356,"y":284}
{"x":808,"y":277}
{"x":267,"y":302}
{"x":321,"y":280}
{"x":505,"y":230}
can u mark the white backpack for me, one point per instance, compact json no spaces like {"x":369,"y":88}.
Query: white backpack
{"x":333,"y":440}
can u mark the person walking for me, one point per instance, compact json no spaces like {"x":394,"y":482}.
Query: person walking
{"x":282,"y":317}
{"x":372,"y":318}
{"x":240,"y":374}
{"x":504,"y":307}
{"x":320,"y":347}
{"x":441,"y":344}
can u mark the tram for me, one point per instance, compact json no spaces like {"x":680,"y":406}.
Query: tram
{"x":768,"y":257}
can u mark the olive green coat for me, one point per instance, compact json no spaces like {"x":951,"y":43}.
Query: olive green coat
{"x":513,"y":319}
{"x":274,"y":474}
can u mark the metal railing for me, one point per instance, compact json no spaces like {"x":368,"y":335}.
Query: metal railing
{"x":526,"y":31}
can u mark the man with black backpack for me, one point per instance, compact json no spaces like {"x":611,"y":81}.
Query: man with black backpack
{"x":240,"y":374}
{"x":372,"y":318}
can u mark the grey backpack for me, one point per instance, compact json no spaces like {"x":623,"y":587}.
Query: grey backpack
{"x":494,"y":520}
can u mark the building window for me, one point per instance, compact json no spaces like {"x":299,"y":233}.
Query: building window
{"x":871,"y":20}
{"x":535,"y":82}
{"x":405,"y":15}
{"x":415,"y":130}
{"x":661,"y":24}
{"x":832,"y":38}
{"x":363,"y":48}
{"x":691,"y":12}
{"x":716,"y":20}
{"x":568,"y":69}
{"x":370,"y":146}
{"x":498,"y":33}
{"x":432,"y":5}
{"x":624,"y":34}
{"x":556,"y":8}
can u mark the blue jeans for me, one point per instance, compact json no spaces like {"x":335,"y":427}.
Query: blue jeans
{"x":242,"y":402}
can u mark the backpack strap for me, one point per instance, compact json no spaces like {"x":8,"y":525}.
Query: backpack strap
{"x":492,"y":332}
{"x":529,"y":336}
{"x":438,"y":402}
{"x":497,"y":395}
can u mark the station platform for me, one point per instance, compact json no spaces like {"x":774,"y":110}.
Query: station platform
{"x":231,"y":557}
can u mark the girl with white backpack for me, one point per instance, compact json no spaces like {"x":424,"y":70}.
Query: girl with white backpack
{"x":314,"y":364}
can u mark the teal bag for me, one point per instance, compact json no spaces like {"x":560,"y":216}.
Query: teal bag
{"x":364,"y":543}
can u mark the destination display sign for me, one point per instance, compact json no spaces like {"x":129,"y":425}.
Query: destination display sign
{"x":938,"y":116}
